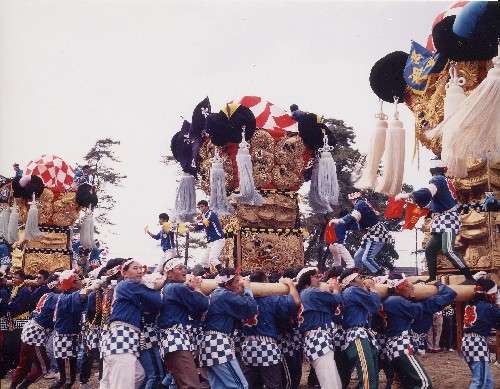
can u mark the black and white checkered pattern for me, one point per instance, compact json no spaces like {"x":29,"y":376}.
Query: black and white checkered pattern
{"x":65,"y":345}
{"x":446,"y":221}
{"x":176,"y":338}
{"x":34,"y":334}
{"x":238,"y":338}
{"x":397,"y":346}
{"x":382,"y":346}
{"x":351,"y":334}
{"x":260,"y":351}
{"x":120,"y":338}
{"x":150,"y":336}
{"x":216,"y":348}
{"x":317,"y":343}
{"x":377,"y":233}
{"x":92,"y":337}
{"x":419,"y":341}
{"x":475,"y":347}
{"x":292,"y":342}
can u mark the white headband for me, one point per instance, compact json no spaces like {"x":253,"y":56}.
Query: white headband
{"x":224,"y":278}
{"x":396,"y":282}
{"x":303,"y":271}
{"x":347,"y":280}
{"x":173,"y":263}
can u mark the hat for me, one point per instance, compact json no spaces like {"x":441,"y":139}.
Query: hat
{"x":173,"y":263}
{"x":304,"y":271}
{"x":437,"y":163}
{"x":354,"y":195}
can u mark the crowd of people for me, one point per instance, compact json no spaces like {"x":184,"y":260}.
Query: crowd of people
{"x":153,"y":330}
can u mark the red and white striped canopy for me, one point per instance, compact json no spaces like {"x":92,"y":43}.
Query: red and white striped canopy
{"x":453,"y":9}
{"x":269,"y":116}
{"x":54,"y":172}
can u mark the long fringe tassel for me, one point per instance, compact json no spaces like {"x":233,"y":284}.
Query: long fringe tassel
{"x":394,"y":157}
{"x":4,"y":223}
{"x":87,"y":231}
{"x":377,"y":147}
{"x":248,"y":193}
{"x":12,"y":232}
{"x":474,"y":129}
{"x":328,"y":185}
{"x":218,"y":197}
{"x":318,"y":205}
{"x":31,"y":230}
{"x":185,"y":199}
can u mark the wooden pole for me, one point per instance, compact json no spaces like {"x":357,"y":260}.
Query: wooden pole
{"x":238,"y":250}
{"x":464,"y":292}
{"x":186,"y":249}
{"x":459,"y":319}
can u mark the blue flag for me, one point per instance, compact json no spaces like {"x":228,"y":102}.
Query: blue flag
{"x":421,"y":62}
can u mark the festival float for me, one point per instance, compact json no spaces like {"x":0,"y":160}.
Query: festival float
{"x":250,"y":158}
{"x":452,"y":87}
{"x":38,"y":211}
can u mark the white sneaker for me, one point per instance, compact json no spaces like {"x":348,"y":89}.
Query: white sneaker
{"x":451,"y":349}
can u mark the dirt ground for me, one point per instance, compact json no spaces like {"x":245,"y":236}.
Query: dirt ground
{"x":447,"y":371}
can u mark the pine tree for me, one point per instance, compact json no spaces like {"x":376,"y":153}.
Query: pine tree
{"x":103,"y":176}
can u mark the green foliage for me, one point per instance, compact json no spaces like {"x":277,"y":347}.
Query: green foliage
{"x":103,"y":176}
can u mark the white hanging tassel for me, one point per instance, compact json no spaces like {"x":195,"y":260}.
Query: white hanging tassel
{"x":318,"y":205}
{"x":394,"y":157}
{"x":87,"y":231}
{"x":248,"y":193}
{"x":328,"y":185}
{"x":375,"y":153}
{"x":474,"y":129}
{"x":218,"y":196}
{"x":13,"y":225}
{"x":31,"y":230}
{"x":4,"y":222}
{"x":185,"y":199}
{"x":453,"y":99}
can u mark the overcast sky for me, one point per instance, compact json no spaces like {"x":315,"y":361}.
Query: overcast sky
{"x":74,"y":71}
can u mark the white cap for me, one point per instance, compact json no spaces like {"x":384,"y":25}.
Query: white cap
{"x":303,"y":271}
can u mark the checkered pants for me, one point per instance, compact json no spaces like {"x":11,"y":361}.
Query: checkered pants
{"x":475,"y":348}
{"x":149,"y":336}
{"x":317,"y":343}
{"x":260,"y":351}
{"x":399,"y":345}
{"x":92,"y":338}
{"x":34,"y":334}
{"x":121,"y":338}
{"x":351,"y":334}
{"x":446,"y":221}
{"x":176,"y":338}
{"x":65,"y":345}
{"x":381,"y":346}
{"x":377,"y":233}
{"x":216,"y":348}
{"x":291,"y":342}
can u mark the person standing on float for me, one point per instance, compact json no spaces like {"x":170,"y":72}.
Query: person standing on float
{"x":440,"y":197}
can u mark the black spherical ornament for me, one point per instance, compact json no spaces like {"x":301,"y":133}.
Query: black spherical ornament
{"x":223,"y":129}
{"x":386,"y":76}
{"x":86,"y":196}
{"x":481,"y":45}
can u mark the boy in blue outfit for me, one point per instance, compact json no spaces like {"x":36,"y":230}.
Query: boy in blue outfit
{"x":166,"y":237}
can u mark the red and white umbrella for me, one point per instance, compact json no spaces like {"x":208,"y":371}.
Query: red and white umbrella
{"x":54,"y":172}
{"x":453,"y":9}
{"x":269,"y":116}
